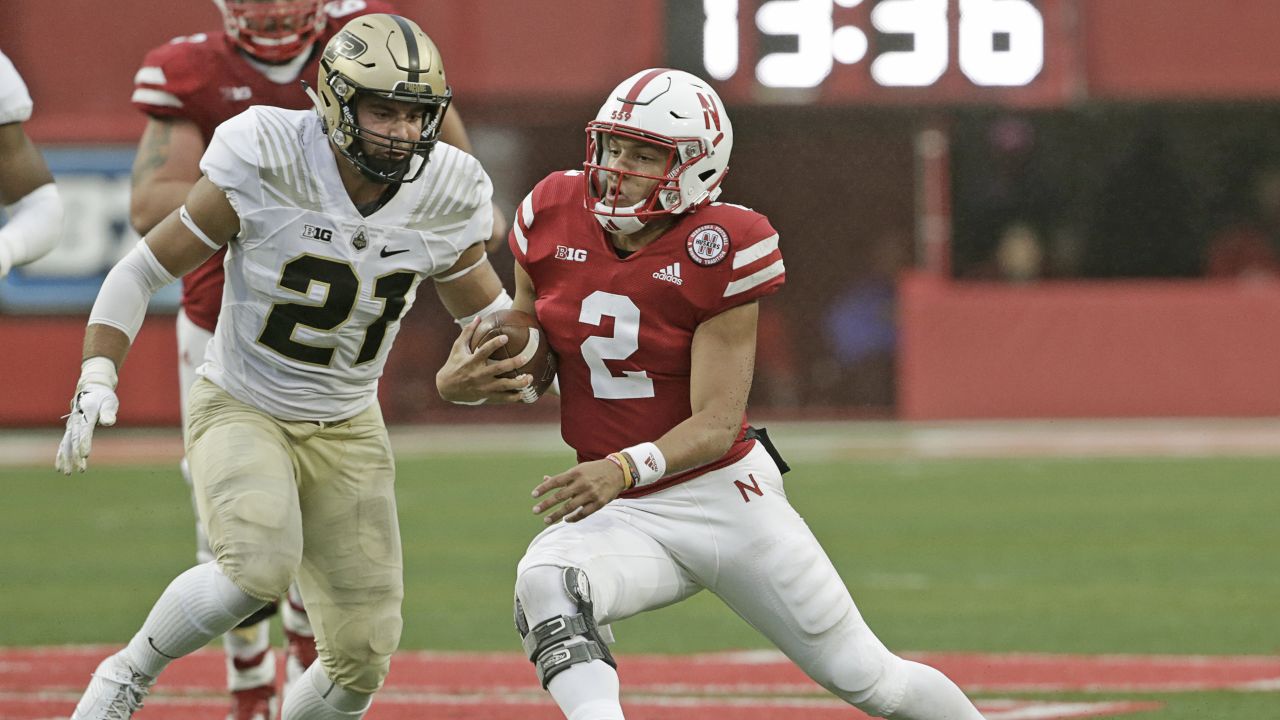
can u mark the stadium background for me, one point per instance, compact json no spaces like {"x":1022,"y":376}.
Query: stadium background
{"x":1105,"y":480}
{"x":872,"y":187}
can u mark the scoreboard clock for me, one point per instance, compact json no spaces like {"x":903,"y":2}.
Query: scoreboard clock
{"x":877,"y":51}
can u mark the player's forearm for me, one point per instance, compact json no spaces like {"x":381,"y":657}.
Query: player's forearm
{"x":105,"y":341}
{"x":704,"y":437}
{"x":153,"y":201}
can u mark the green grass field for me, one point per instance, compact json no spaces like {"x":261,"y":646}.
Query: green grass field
{"x":1048,"y":555}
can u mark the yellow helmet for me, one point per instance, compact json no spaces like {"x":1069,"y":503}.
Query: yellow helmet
{"x":390,"y":57}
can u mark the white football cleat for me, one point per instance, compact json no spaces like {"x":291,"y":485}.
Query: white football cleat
{"x":115,"y":692}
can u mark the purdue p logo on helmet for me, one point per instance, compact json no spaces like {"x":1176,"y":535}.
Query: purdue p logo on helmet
{"x":387,"y":56}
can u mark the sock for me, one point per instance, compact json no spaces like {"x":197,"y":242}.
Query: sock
{"x":250,"y":662}
{"x":588,"y":691}
{"x":316,"y":697}
{"x":300,"y":639}
{"x":930,"y":695}
{"x":198,"y":606}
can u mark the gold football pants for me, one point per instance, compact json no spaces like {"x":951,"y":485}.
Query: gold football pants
{"x":315,"y":501}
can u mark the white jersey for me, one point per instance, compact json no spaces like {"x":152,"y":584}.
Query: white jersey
{"x":314,"y":291}
{"x":15,"y":101}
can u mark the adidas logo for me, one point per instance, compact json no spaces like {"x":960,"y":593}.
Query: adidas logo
{"x":670,"y":273}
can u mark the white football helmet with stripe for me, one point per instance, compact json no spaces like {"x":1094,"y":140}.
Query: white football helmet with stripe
{"x":675,"y":111}
{"x":276,"y":31}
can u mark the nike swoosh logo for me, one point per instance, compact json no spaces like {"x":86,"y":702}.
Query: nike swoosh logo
{"x":152,"y":643}
{"x":388,"y":253}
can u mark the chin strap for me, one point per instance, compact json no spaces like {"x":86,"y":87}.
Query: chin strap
{"x":623,"y":225}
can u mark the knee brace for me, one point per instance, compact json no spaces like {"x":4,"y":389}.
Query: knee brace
{"x":556,"y":644}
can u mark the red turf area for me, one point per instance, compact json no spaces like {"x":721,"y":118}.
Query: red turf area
{"x":45,"y":683}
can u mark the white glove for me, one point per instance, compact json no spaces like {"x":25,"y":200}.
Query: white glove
{"x":95,"y":403}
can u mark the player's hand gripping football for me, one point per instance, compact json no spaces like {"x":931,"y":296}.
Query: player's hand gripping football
{"x":95,"y":403}
{"x":578,"y":491}
{"x":471,"y":378}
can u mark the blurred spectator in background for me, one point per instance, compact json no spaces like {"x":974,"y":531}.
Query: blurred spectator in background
{"x":1005,"y":184}
{"x":1020,"y":253}
{"x":1018,"y":256}
{"x":31,"y":200}
{"x":1249,"y":246}
{"x":1143,"y":226}
{"x":1064,"y":257}
{"x":861,"y":329}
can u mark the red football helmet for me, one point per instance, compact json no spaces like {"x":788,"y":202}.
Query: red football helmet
{"x":273,"y":30}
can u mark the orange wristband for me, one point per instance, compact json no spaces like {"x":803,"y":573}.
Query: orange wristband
{"x":629,"y":473}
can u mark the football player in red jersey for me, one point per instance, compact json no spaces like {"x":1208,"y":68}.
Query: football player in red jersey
{"x":187,"y":87}
{"x":647,"y":290}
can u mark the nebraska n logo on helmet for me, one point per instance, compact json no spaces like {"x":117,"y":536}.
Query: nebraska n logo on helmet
{"x":390,"y":57}
{"x":672,"y":110}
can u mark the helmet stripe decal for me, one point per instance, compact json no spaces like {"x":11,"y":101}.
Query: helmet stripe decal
{"x":629,"y":101}
{"x":411,"y":44}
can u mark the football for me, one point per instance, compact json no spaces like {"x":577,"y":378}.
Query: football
{"x":526,"y":341}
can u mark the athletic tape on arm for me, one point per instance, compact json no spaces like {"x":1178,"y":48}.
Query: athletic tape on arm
{"x":502,"y":302}
{"x":185,"y":217}
{"x":122,"y":301}
{"x":454,"y":276}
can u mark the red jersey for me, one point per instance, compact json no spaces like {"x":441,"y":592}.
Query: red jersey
{"x":623,"y":327}
{"x":204,"y":78}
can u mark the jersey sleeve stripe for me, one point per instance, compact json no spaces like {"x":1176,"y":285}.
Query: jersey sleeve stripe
{"x":521,"y":241}
{"x":159,"y":98}
{"x":527,"y":206}
{"x":755,"y":252}
{"x":150,"y":75}
{"x":757,"y":278}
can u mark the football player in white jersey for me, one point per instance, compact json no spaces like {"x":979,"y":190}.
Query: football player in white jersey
{"x":26,"y":187}
{"x":331,"y":220}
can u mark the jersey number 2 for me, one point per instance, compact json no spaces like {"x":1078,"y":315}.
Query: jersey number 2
{"x":625,"y":341}
{"x":342,"y":287}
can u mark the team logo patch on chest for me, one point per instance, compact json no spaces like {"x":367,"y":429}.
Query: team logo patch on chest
{"x":361,"y":239}
{"x":708,"y":244}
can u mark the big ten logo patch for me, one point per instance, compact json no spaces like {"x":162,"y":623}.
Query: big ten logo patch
{"x":571,"y":254}
{"x":312,"y":232}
